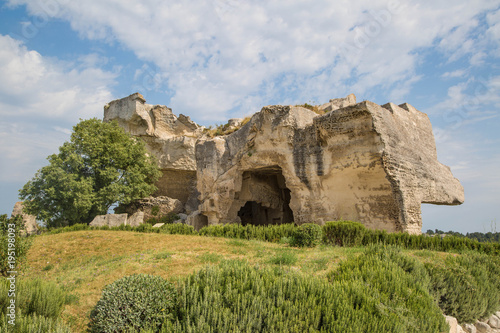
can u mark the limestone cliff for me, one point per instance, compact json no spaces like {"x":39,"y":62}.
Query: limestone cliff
{"x":361,"y":161}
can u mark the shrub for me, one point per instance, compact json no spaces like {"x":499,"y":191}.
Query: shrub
{"x":308,"y":235}
{"x":12,"y":257}
{"x":238,"y":297}
{"x":133,"y":303}
{"x":38,"y":306}
{"x":284,"y":257}
{"x":343,"y":233}
{"x":270,"y":233}
{"x":466,"y":287}
{"x":34,"y":323}
{"x":75,"y":227}
{"x":177,"y":228}
{"x":394,"y":287}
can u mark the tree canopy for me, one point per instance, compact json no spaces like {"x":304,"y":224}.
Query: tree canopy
{"x":100,"y":166}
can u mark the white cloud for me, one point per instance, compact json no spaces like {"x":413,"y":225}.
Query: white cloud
{"x":216,"y":55}
{"x":40,"y":99}
{"x":454,"y":74}
{"x":32,"y":85}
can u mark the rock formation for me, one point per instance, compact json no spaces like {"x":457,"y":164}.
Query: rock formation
{"x":153,"y":207}
{"x":359,"y":161}
{"x":116,"y":220}
{"x":30,"y":224}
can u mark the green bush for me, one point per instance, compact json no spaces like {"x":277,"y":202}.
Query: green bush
{"x":38,"y":306}
{"x":12,"y":256}
{"x":34,"y":297}
{"x":466,"y":287}
{"x":238,"y":297}
{"x":178,"y":229}
{"x":270,"y":233}
{"x":133,"y":303}
{"x":308,"y":235}
{"x":34,"y":324}
{"x":284,"y":257}
{"x":343,"y":233}
{"x":393,"y":286}
{"x":75,"y":227}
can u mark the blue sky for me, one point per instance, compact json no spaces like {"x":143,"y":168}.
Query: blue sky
{"x":62,"y":60}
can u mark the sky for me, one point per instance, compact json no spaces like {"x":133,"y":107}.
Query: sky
{"x":62,"y":60}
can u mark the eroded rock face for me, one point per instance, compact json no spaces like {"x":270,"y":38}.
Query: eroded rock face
{"x":360,"y":161}
{"x":29,"y":220}
{"x":169,"y":138}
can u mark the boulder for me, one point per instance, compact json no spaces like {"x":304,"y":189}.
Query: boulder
{"x":494,"y":321}
{"x":453,"y":323}
{"x":29,"y":220}
{"x":469,"y":328}
{"x":110,"y":220}
{"x":482,"y":327}
{"x":152,"y":207}
{"x":136,"y":219}
{"x":158,"y":225}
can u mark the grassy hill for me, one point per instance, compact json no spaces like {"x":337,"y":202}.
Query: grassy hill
{"x":84,"y":262}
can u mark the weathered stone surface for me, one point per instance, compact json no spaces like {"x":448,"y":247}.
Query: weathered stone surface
{"x":29,"y":220}
{"x":158,"y":225}
{"x":452,"y":322}
{"x":365,"y":162}
{"x":470,"y":328}
{"x":338,"y":103}
{"x":152,"y":207}
{"x":111,"y":220}
{"x":482,"y":327}
{"x":170,"y":138}
{"x":197,"y":220}
{"x":136,"y":219}
{"x":494,"y":321}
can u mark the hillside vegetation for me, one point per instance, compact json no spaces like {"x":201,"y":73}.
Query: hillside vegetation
{"x":378,"y":287}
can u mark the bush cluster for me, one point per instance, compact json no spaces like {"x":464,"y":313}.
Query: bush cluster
{"x":339,"y":233}
{"x":133,"y":303}
{"x":238,"y":297}
{"x":21,"y":244}
{"x":38,"y":306}
{"x":270,"y":233}
{"x":466,"y":287}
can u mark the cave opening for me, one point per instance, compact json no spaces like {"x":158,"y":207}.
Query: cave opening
{"x":265,"y":198}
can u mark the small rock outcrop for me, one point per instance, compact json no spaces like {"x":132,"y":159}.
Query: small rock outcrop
{"x":153,"y":207}
{"x":29,"y":220}
{"x":360,"y":161}
{"x":116,"y":220}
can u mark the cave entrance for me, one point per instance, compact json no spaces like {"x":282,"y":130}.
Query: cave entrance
{"x":265,"y":198}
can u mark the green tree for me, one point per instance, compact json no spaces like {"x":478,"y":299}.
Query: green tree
{"x":100,"y":166}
